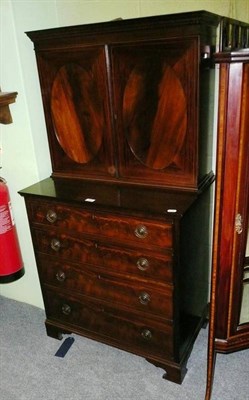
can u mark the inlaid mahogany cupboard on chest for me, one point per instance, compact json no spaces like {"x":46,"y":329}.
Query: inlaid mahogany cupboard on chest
{"x":121,"y":228}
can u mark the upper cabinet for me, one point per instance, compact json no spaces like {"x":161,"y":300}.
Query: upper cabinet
{"x":129,"y":101}
{"x":125,"y":100}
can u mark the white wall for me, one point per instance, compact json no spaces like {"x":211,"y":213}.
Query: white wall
{"x":25,"y":156}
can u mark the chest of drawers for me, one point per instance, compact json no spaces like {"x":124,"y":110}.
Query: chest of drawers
{"x":95,"y":273}
{"x":114,"y":275}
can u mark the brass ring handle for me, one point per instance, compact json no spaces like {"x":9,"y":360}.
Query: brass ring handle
{"x":51,"y":216}
{"x":143,"y":264}
{"x":55,"y":244}
{"x":66,"y":309}
{"x":144,"y":298}
{"x":146,"y":334}
{"x":141,"y":231}
{"x":60,"y":276}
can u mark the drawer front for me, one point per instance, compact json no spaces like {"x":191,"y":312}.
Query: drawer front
{"x":126,"y":330}
{"x":119,"y":228}
{"x":92,"y":283}
{"x":113,"y":259}
{"x":65,"y":247}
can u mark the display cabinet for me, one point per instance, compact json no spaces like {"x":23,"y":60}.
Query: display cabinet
{"x":229,"y":314}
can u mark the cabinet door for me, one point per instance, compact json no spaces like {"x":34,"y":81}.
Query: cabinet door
{"x":155,"y":86}
{"x":244,"y":303}
{"x":232,"y":207}
{"x":75,"y":96}
{"x":240,"y":266}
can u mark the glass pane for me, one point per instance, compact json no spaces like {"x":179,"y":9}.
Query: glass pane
{"x":247,"y":245}
{"x":244,"y":314}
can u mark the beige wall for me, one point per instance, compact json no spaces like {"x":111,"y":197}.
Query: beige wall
{"x":25,"y":156}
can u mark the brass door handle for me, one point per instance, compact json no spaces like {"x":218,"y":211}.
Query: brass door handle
{"x":239,"y":223}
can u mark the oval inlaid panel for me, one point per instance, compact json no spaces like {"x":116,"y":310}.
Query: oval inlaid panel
{"x":155,"y":114}
{"x":77,"y":112}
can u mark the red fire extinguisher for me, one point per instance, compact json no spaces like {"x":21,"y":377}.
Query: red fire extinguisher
{"x":11,"y":265}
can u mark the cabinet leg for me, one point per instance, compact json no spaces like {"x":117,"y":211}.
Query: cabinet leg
{"x":210,"y":374}
{"x":55,"y":331}
{"x":205,"y":324}
{"x":173,"y":372}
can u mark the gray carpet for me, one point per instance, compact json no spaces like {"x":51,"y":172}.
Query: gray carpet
{"x":93,"y":371}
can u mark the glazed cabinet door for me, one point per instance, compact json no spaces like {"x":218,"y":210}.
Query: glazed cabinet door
{"x":155,"y":86}
{"x":76,"y":104}
{"x":244,"y":304}
{"x":234,"y":211}
{"x":240,"y":282}
{"x":229,"y":310}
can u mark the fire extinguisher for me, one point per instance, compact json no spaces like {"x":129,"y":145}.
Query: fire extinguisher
{"x":11,"y":264}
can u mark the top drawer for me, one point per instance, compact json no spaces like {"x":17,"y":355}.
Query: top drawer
{"x":119,"y":228}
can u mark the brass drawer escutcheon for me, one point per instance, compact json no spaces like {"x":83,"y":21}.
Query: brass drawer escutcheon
{"x":143,"y":264}
{"x":51,"y":216}
{"x":60,"y":276}
{"x":144,"y":298}
{"x":55,"y":244}
{"x":146,"y":334}
{"x":66,"y":309}
{"x":141,"y":231}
